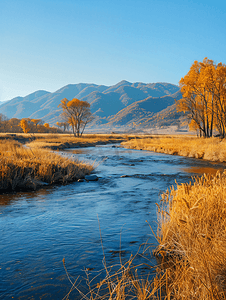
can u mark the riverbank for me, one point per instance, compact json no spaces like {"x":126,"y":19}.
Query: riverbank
{"x":212,"y":149}
{"x":34,"y":166}
{"x":62,"y":141}
{"x":23,"y":168}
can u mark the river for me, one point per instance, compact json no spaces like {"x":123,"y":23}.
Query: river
{"x":38,"y":229}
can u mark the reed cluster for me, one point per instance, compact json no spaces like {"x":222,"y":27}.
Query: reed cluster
{"x":213,"y":149}
{"x":25,"y":168}
{"x":192,"y":239}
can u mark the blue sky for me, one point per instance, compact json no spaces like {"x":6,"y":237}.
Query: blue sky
{"x":47,"y":44}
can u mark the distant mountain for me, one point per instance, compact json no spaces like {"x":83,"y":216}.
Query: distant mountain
{"x":119,"y":104}
{"x":165,"y":118}
{"x":143,"y":110}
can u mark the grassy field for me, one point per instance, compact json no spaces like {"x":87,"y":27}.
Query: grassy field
{"x":212,"y":149}
{"x":26,"y":168}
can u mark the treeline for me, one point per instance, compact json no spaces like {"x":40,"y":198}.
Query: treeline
{"x":25,"y":125}
{"x":204,"y":97}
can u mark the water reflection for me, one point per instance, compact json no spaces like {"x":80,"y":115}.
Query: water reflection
{"x":7,"y":199}
{"x":211,"y":170}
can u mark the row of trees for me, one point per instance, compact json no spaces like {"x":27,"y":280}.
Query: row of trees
{"x":25,"y":125}
{"x":204,"y":97}
{"x":35,"y":125}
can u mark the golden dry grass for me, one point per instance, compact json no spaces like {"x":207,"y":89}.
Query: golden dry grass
{"x":192,"y":239}
{"x":213,"y":149}
{"x":61,"y":141}
{"x":22,"y":167}
{"x":122,"y":284}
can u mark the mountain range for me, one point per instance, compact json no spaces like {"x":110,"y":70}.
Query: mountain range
{"x":123,"y":104}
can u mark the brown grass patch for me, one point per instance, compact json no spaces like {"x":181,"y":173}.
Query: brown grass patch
{"x":25,"y":168}
{"x":61,"y":141}
{"x":213,"y":149}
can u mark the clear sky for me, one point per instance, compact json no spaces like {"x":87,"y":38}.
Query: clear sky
{"x":47,"y":44}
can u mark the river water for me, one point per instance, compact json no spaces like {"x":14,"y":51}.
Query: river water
{"x":39,"y":229}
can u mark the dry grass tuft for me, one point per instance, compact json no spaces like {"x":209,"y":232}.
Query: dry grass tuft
{"x":25,"y":168}
{"x":125,"y":283}
{"x":213,"y":149}
{"x":192,"y":239}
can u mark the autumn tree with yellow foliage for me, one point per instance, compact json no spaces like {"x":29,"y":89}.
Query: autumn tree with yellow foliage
{"x":204,"y":97}
{"x":37,"y":121}
{"x":25,"y":126}
{"x":77,"y":113}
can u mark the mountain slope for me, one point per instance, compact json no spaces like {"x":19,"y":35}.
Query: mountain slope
{"x":167,"y":117}
{"x":121,"y":103}
{"x":139,"y":111}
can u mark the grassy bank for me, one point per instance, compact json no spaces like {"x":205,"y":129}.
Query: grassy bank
{"x":62,"y":141}
{"x":212,"y":149}
{"x":25,"y":168}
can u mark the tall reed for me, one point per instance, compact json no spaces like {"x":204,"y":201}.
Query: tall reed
{"x":192,"y":239}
